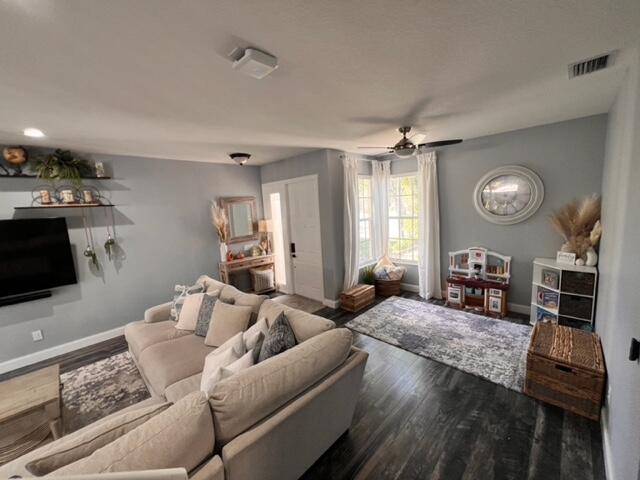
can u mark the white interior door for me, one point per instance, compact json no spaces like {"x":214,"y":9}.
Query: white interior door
{"x":304,"y":237}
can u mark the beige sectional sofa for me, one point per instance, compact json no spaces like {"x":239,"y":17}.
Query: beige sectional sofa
{"x":270,"y":421}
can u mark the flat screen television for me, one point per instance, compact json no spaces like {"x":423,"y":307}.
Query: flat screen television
{"x":35,"y":254}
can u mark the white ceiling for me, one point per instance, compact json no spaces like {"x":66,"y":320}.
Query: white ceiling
{"x":152,"y":77}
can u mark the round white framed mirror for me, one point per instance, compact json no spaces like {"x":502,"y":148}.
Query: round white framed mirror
{"x":508,"y":195}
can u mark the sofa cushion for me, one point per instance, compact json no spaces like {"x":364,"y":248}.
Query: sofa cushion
{"x":226,"y":321}
{"x":141,"y":335}
{"x":182,"y":388}
{"x":188,"y":318}
{"x":181,"y":436}
{"x":89,"y":440}
{"x":243,"y":299}
{"x":305,"y":325}
{"x":249,"y":396}
{"x":251,"y":337}
{"x":168,"y":362}
{"x":279,"y":338}
{"x":213,"y":364}
{"x":210,"y":284}
{"x":181,"y":292}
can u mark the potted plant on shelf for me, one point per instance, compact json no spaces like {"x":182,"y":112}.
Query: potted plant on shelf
{"x":62,"y":165}
{"x":221,"y":223}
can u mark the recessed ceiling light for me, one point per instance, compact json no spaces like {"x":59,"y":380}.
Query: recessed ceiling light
{"x":33,"y":132}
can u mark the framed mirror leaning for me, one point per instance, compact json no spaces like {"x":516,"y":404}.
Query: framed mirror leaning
{"x":243,"y":220}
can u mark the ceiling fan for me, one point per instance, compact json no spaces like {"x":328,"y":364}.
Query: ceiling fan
{"x":405,"y":148}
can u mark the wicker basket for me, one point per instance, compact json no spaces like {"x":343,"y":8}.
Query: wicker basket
{"x":387,"y":288}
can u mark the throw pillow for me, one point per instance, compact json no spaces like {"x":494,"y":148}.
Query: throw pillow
{"x":236,"y":343}
{"x":251,"y":336}
{"x":204,"y":314}
{"x":258,"y":346}
{"x":242,"y":363}
{"x":279,"y":338}
{"x":188,"y":317}
{"x":226,"y":321}
{"x":180,"y":293}
{"x":213,"y":363}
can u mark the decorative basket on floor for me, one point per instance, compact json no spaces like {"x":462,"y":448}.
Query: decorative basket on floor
{"x":262,"y":279}
{"x":387,"y":288}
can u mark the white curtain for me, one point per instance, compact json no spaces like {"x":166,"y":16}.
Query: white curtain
{"x":429,"y":222}
{"x":351,"y":221}
{"x":380,"y":196}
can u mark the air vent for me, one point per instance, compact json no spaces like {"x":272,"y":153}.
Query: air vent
{"x":590,"y":65}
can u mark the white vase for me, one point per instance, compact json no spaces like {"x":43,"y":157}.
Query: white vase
{"x":592,"y":258}
{"x":223,"y":252}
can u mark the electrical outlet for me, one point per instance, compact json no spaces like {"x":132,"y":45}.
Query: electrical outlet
{"x":37,"y":335}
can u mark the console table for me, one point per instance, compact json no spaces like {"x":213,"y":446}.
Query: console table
{"x":246,"y":264}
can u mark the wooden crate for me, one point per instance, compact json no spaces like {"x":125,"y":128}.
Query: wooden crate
{"x":565,"y":367}
{"x":387,"y":288}
{"x":358,"y":297}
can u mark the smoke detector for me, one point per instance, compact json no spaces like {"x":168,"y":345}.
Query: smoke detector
{"x":255,"y":63}
{"x":240,"y":158}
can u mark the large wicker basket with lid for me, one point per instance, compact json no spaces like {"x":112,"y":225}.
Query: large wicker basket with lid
{"x":565,"y":367}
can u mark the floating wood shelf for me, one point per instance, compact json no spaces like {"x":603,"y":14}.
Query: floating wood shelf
{"x":35,"y":176}
{"x":71,"y":205}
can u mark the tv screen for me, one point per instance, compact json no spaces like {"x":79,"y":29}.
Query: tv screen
{"x":35,"y":254}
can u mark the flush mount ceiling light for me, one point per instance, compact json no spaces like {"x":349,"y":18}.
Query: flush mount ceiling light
{"x":255,"y":63}
{"x":33,"y":132}
{"x":240,"y":158}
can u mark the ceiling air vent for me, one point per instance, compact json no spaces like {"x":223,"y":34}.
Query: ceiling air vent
{"x":590,"y":65}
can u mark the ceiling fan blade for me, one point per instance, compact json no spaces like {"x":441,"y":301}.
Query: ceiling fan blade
{"x":377,"y":148}
{"x":440,"y":143}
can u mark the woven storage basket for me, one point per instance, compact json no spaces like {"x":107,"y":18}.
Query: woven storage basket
{"x":262,"y":279}
{"x":387,"y":288}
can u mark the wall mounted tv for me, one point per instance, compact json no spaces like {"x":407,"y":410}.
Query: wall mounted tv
{"x":35,"y":255}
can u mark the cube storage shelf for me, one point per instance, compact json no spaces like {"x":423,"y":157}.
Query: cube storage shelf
{"x":563,"y":294}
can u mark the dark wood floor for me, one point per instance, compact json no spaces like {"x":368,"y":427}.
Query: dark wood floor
{"x":420,"y":419}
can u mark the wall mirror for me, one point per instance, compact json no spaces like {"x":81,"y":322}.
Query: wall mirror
{"x":508,"y":195}
{"x":243,"y":222}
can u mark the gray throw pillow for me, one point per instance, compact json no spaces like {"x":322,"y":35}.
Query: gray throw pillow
{"x":257,"y":348}
{"x":280,"y":338}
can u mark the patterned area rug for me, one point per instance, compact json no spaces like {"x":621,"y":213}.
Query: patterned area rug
{"x":492,"y":349}
{"x":99,"y":389}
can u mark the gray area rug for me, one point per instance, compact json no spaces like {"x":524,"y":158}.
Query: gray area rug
{"x":99,"y":389}
{"x":488,"y":348}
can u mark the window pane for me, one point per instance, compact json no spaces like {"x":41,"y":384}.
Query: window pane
{"x":365,"y":211}
{"x":394,"y":228}
{"x":406,"y":186}
{"x":406,"y":206}
{"x":394,"y":211}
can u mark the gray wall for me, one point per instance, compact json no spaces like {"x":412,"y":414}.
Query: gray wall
{"x":328,"y":166}
{"x":568,"y":156}
{"x":165,"y":233}
{"x":618,"y":314}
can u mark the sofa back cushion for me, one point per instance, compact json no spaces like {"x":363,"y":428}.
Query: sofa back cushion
{"x":305,"y":325}
{"x":86,"y":441}
{"x":250,"y":395}
{"x":243,"y":299}
{"x":181,"y":436}
{"x":210,"y":284}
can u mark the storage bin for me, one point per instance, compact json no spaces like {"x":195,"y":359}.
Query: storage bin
{"x":578,"y":282}
{"x":575,"y":306}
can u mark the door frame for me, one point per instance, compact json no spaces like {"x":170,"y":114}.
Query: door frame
{"x":281,"y":187}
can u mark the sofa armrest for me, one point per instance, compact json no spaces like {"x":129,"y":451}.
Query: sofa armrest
{"x":159,"y":313}
{"x":164,"y":474}
{"x":287,"y":443}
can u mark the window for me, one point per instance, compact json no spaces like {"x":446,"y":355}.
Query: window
{"x":403,"y":218}
{"x":364,"y":219}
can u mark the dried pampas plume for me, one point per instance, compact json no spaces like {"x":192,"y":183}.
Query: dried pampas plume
{"x":220,"y":221}
{"x":579,"y":224}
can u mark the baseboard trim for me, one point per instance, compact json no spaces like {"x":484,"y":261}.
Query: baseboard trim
{"x":606,"y":447}
{"x":331,"y":303}
{"x":516,"y":307}
{"x":48,"y":353}
{"x":410,"y":287}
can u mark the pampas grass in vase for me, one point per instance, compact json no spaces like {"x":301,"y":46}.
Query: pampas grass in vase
{"x":220,"y":223}
{"x":578,"y":223}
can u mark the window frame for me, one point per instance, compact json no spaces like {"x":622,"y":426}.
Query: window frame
{"x":369,"y":219}
{"x":389,"y":217}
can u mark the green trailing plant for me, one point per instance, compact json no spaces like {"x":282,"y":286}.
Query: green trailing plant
{"x":369,"y":275}
{"x":62,"y":165}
